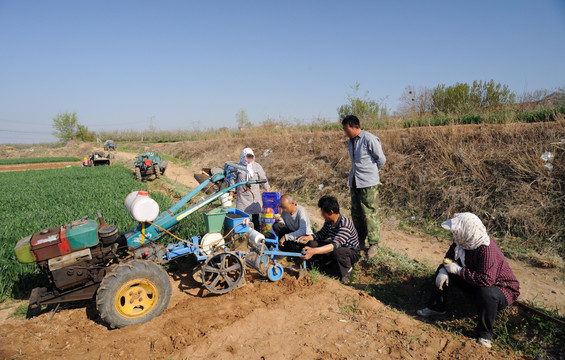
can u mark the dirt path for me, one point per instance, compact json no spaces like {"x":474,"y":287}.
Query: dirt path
{"x":543,"y":286}
{"x":39,"y":166}
{"x":178,"y":173}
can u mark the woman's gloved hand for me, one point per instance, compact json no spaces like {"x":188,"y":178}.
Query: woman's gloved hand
{"x":452,"y":267}
{"x":442,"y":278}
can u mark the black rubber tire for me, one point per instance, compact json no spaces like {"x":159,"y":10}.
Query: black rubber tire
{"x":138,"y":174}
{"x":109,"y":299}
{"x":163,"y":167}
{"x":157,"y":171}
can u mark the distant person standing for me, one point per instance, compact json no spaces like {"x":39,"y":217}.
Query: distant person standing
{"x":367,"y":159}
{"x":249,"y":199}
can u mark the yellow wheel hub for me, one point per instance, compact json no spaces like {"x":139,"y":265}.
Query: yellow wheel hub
{"x":136,"y":298}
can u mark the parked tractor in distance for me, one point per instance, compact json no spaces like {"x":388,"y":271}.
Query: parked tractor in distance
{"x":110,"y":145}
{"x":99,"y":159}
{"x":147,"y":164}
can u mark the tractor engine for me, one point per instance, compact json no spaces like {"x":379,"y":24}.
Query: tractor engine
{"x":74,"y":257}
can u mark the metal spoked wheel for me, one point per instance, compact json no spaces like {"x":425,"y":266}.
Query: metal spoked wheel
{"x":222,"y":272}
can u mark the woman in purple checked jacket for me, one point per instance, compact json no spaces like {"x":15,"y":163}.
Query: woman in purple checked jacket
{"x":475,"y":264}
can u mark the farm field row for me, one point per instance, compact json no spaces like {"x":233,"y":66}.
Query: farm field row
{"x":37,"y":160}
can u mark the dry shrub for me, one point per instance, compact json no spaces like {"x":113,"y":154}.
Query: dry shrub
{"x":494,"y":171}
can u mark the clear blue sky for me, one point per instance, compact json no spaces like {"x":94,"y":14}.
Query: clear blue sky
{"x":118,"y":64}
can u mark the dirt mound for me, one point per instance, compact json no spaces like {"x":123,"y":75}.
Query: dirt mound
{"x":290,"y":319}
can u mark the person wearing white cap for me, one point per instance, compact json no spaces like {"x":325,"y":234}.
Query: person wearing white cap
{"x":475,"y":264}
{"x":249,"y":199}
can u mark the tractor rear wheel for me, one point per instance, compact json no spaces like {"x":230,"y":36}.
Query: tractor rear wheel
{"x":133,"y":293}
{"x":138,"y":174}
{"x":157,"y":171}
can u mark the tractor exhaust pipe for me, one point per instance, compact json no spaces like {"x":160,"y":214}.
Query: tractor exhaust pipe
{"x":100,"y":218}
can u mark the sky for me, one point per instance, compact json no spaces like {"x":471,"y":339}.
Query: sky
{"x":130,"y":64}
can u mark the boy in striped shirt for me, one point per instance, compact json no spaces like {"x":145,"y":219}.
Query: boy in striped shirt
{"x":335,"y":247}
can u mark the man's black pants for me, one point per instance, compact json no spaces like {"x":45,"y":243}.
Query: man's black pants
{"x":281,"y":230}
{"x":337,"y":263}
{"x":488,"y":300}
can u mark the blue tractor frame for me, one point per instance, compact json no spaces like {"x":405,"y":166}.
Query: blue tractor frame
{"x":263,"y":258}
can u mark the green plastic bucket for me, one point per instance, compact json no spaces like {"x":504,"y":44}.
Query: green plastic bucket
{"x":214,"y":220}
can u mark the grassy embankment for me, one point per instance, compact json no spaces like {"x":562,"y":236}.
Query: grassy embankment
{"x":495,"y":171}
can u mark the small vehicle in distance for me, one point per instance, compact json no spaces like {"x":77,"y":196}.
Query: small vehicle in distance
{"x":110,"y":145}
{"x":147,"y":164}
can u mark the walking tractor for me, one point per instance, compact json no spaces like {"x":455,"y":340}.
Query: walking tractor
{"x":147,"y":164}
{"x":88,"y":259}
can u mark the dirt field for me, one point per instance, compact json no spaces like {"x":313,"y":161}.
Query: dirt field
{"x":291,"y":319}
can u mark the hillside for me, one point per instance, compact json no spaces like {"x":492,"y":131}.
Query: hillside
{"x":494,"y":171}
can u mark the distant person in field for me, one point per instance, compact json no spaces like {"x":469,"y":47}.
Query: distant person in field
{"x":367,"y":159}
{"x":248,"y":200}
{"x":292,"y":223}
{"x":335,"y":248}
{"x":475,"y":264}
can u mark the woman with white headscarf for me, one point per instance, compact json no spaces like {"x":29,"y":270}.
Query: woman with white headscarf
{"x":249,"y":199}
{"x":475,"y":264}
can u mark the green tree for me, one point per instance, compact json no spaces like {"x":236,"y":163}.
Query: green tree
{"x":363,"y":107}
{"x":84,"y":134}
{"x":242,"y":118}
{"x":67,"y":128}
{"x":463,"y":98}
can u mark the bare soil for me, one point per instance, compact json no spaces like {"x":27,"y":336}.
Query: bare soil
{"x":290,"y":319}
{"x":40,"y":166}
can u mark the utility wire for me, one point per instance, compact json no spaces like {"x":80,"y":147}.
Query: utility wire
{"x":23,"y":132}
